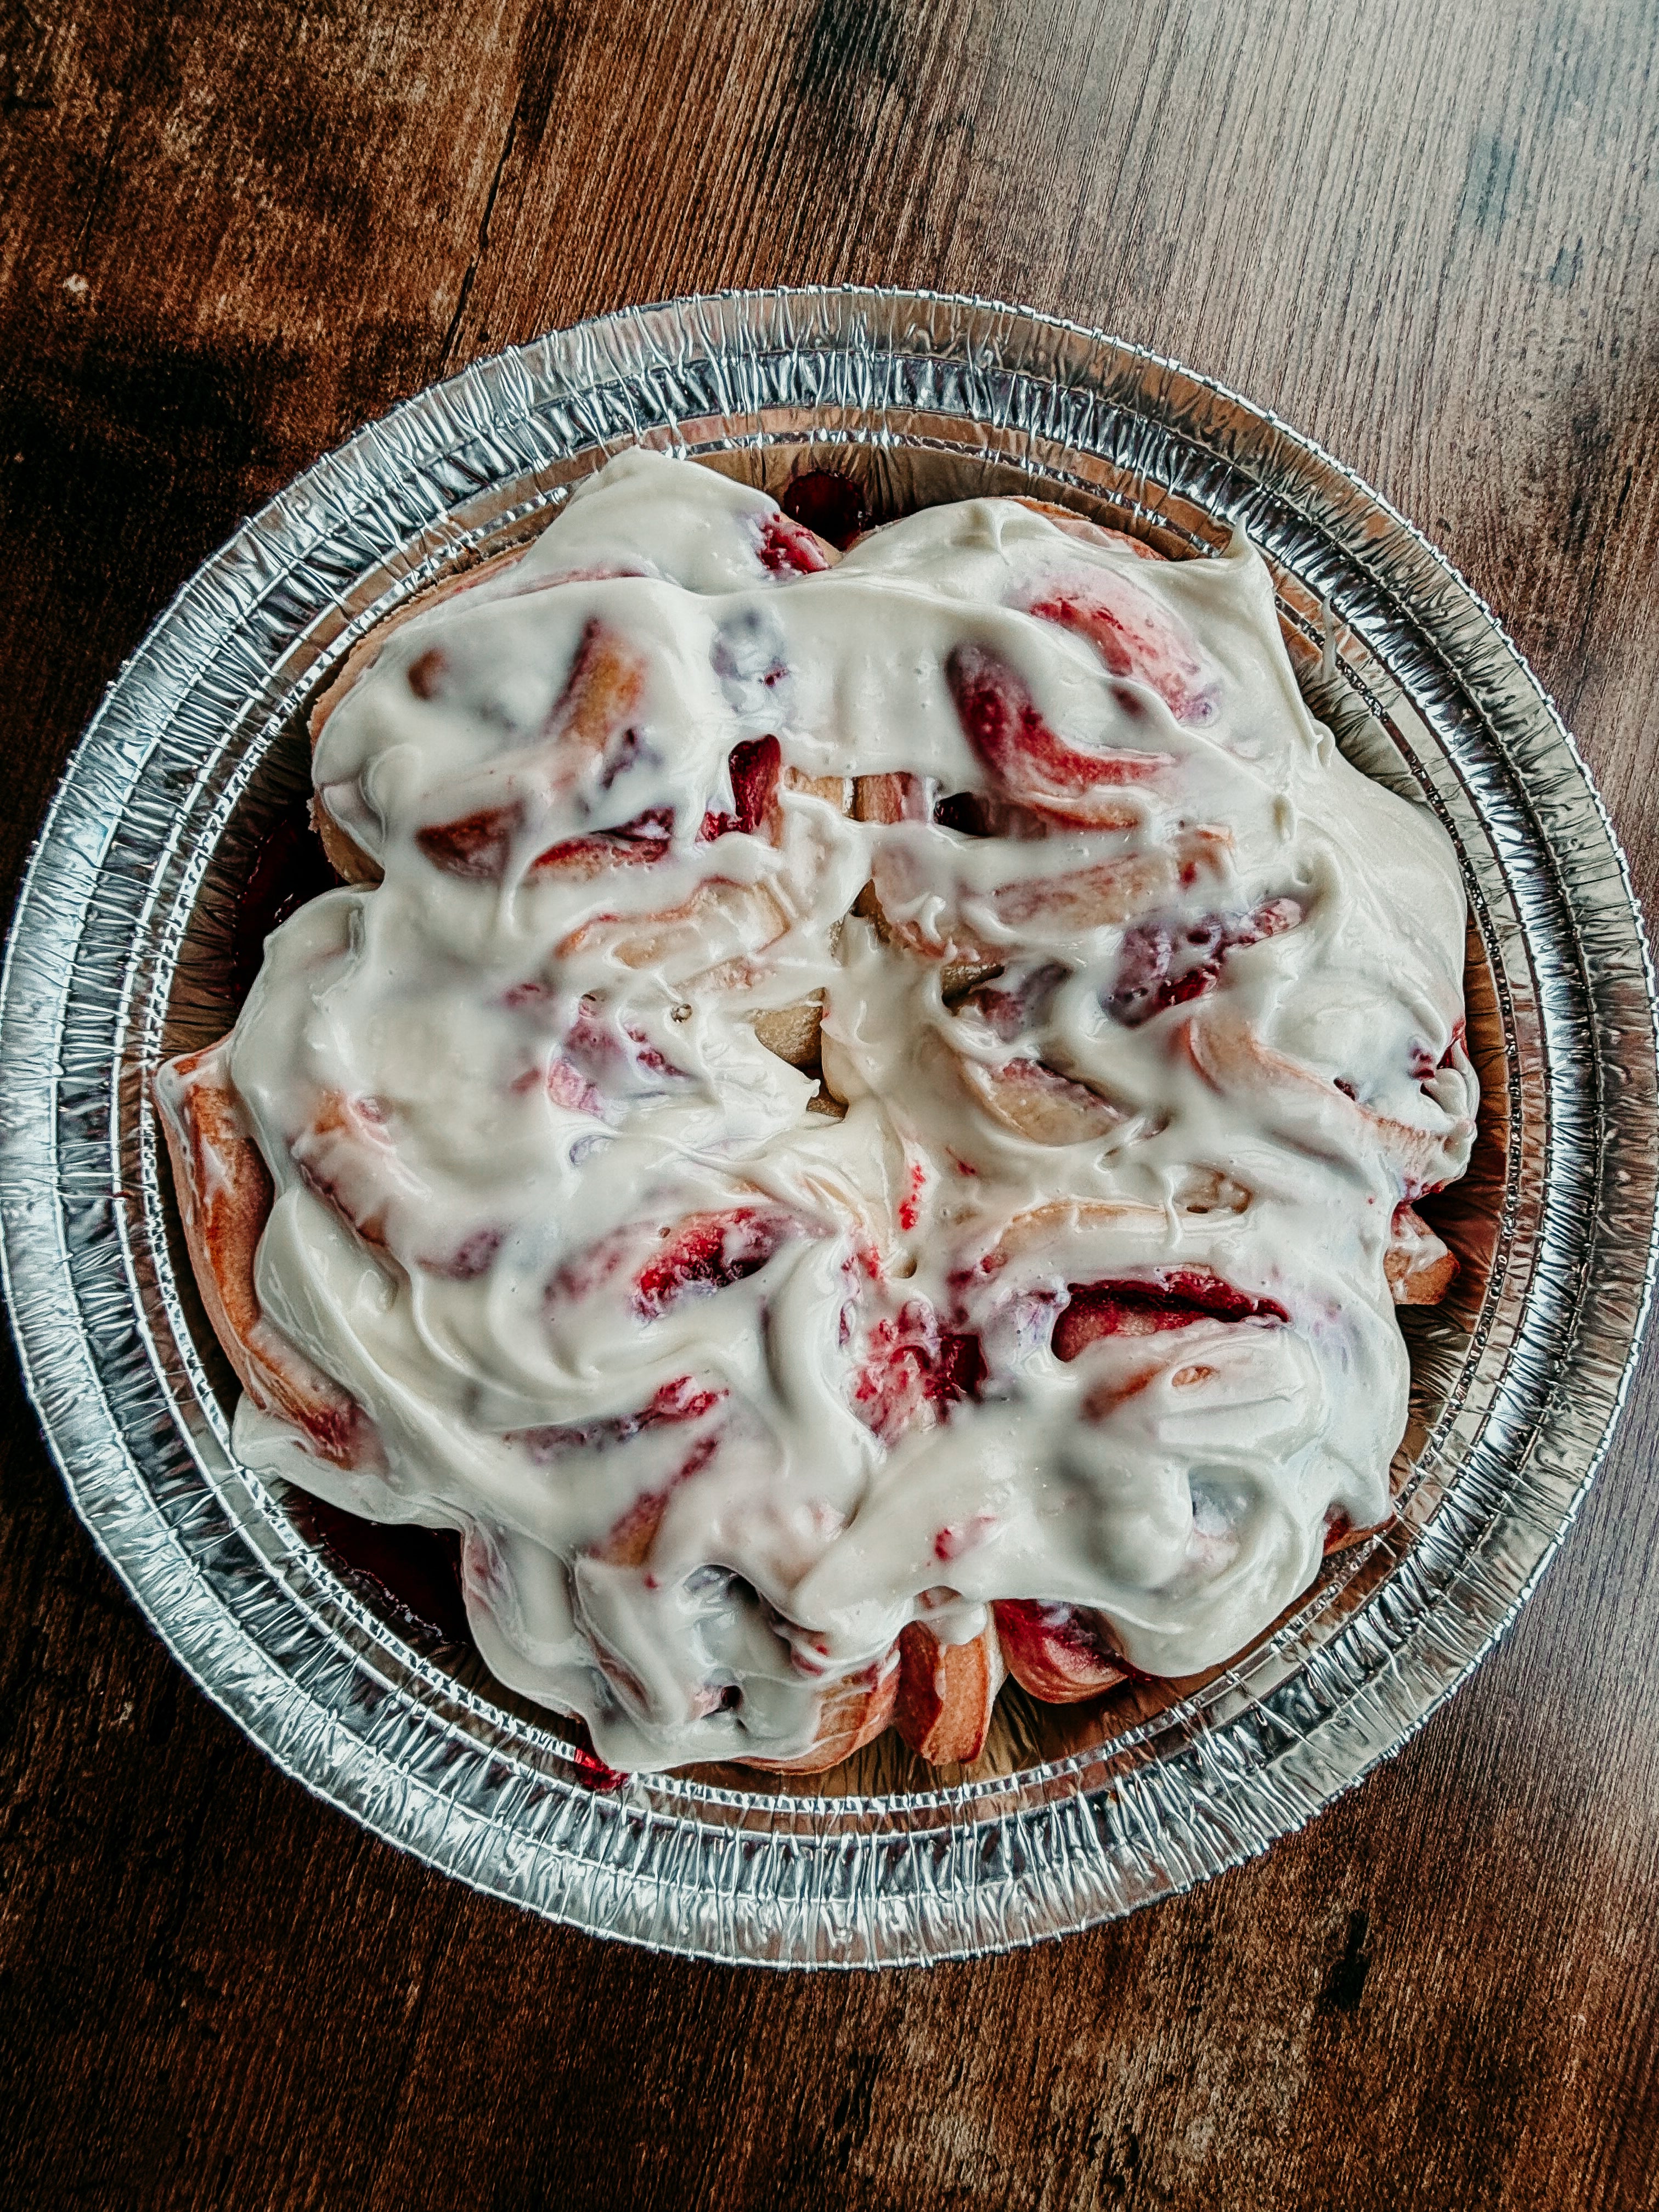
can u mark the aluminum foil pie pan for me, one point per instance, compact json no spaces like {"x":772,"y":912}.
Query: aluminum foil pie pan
{"x":118,"y":957}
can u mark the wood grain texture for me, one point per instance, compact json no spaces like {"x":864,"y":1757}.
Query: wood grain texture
{"x":1424,"y":230}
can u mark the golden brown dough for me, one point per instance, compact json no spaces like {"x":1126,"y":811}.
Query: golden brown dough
{"x":225,"y":1196}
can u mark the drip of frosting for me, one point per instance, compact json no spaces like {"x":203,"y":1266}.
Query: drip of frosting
{"x":1140,"y":1014}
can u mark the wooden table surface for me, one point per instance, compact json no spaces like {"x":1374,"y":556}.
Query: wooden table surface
{"x":1423,"y":230}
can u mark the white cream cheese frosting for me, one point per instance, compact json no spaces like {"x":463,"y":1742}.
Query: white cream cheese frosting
{"x":1148,"y":1021}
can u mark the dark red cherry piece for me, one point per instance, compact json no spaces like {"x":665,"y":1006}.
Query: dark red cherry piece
{"x":708,"y":1252}
{"x":827,"y":502}
{"x":1172,"y":1297}
{"x":755,"y":766}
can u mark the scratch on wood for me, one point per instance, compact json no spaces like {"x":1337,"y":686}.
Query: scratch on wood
{"x":1346,"y":1983}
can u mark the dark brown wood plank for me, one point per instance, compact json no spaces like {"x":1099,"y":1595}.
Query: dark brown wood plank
{"x":1426,"y":232}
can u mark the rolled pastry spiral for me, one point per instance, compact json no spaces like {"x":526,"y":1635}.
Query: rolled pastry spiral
{"x":853,"y":1124}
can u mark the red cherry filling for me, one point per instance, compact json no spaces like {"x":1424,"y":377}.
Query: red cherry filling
{"x":472,"y":1258}
{"x":788,"y":549}
{"x":1135,"y":638}
{"x":1061,"y":1653}
{"x":477,"y":848}
{"x":913,"y":1365}
{"x":708,"y":1252}
{"x":754,"y":767}
{"x":959,"y":1536}
{"x":609,"y":1051}
{"x":1019,"y":1001}
{"x":1165,"y":963}
{"x":1424,"y":1066}
{"x":1173,"y":1297}
{"x":630,"y":844}
{"x":909,"y":1212}
{"x":682,"y":1399}
{"x":828,"y":503}
{"x":1001,"y":722}
{"x":568,"y":1087}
